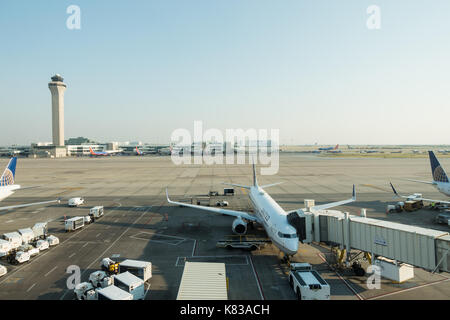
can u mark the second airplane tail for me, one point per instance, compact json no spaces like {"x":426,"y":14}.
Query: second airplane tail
{"x":437,"y":171}
{"x":9,"y":174}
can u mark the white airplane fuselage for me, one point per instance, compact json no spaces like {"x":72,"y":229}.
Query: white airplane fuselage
{"x":443,"y":187}
{"x":274,"y":221}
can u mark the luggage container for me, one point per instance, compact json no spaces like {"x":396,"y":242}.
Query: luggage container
{"x":14,"y":238}
{"x":73,"y":224}
{"x":18,"y":257}
{"x":131,"y":284}
{"x":141,"y":269}
{"x":113,"y":293}
{"x":42,"y":245}
{"x":75,"y":202}
{"x":397,"y":272}
{"x":96,"y":212}
{"x":85,"y":291}
{"x":52,"y":240}
{"x":27,"y":235}
{"x":5,"y":247}
{"x":40,"y":230}
{"x":32,"y":251}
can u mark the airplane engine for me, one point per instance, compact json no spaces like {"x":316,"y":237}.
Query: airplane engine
{"x":239,"y":226}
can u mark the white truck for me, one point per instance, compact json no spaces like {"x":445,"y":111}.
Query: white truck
{"x":75,"y":202}
{"x":100,"y":279}
{"x":141,"y":269}
{"x":87,"y":219}
{"x":85,"y":291}
{"x":5,"y":247}
{"x":40,"y":230}
{"x":307,"y":283}
{"x":96,"y":212}
{"x":14,"y":239}
{"x":74,"y":223}
{"x":113,"y":293}
{"x":131,"y":284}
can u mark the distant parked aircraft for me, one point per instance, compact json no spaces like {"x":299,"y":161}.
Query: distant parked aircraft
{"x":103,"y":153}
{"x":329,"y":148}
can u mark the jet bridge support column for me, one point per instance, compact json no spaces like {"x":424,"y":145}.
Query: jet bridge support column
{"x":346,"y":235}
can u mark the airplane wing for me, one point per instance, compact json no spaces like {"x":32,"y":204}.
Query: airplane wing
{"x":28,"y":204}
{"x":418,"y":198}
{"x":333,"y":204}
{"x":420,"y":181}
{"x":236,"y":185}
{"x":233,"y":213}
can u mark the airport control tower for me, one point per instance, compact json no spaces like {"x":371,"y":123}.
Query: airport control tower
{"x":57,"y":88}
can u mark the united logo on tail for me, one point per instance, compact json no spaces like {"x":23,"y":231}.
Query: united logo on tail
{"x":439,"y":174}
{"x":7,"y":177}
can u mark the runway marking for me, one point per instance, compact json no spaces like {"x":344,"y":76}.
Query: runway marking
{"x":103,"y":253}
{"x":50,"y":271}
{"x":98,"y":234}
{"x":175,"y":242}
{"x":408,"y":289}
{"x":340,"y":277}
{"x":178,"y":264}
{"x":31,"y":287}
{"x":85,"y":244}
{"x":258,"y":283}
{"x":72,"y":255}
{"x":9,"y":221}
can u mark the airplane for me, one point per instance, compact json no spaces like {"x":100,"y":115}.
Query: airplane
{"x":7,"y":186}
{"x":103,"y":153}
{"x":329,"y":148}
{"x":440,"y":178}
{"x":268,"y":213}
{"x":139,"y":153}
{"x":416,"y":197}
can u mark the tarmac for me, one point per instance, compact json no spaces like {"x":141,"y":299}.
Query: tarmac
{"x":139,"y":224}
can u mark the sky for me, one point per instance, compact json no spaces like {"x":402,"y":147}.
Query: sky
{"x":138,"y":70}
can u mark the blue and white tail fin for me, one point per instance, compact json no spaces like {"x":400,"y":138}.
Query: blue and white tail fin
{"x":8,"y":175}
{"x":437,"y":171}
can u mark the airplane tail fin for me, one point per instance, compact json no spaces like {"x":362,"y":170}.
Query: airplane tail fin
{"x":255,"y":181}
{"x":437,"y":171}
{"x":8,"y":175}
{"x":91,"y":151}
{"x":337,"y":147}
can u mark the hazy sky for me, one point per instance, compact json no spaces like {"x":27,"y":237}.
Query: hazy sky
{"x":137,"y":70}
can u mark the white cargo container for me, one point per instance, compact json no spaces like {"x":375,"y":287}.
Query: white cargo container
{"x":5,"y":247}
{"x":42,"y":245}
{"x":52,"y":240}
{"x":131,"y":284}
{"x":397,"y":272}
{"x":141,"y":269}
{"x":74,"y":223}
{"x":40,"y":230}
{"x":27,"y":235}
{"x":85,"y":291}
{"x":14,"y":238}
{"x":22,"y":256}
{"x":3,"y":270}
{"x":203,"y":281}
{"x":96,"y":212}
{"x":113,"y":293}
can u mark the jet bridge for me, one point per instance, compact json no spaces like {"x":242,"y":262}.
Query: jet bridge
{"x":420,"y":247}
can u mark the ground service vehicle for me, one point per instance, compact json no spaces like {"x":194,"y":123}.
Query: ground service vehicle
{"x":131,"y":284}
{"x":443,"y":217}
{"x":52,"y":240}
{"x":307,"y":283}
{"x":32,"y":251}
{"x":110,"y":266}
{"x":42,"y":245}
{"x":100,"y":279}
{"x":96,"y":212}
{"x":16,"y":257}
{"x":87,"y":219}
{"x":73,"y":224}
{"x":14,"y":239}
{"x":141,"y":269}
{"x":85,"y":291}
{"x":27,"y":235}
{"x":3,"y":270}
{"x":222,"y":203}
{"x":75,"y":202}
{"x":5,"y":247}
